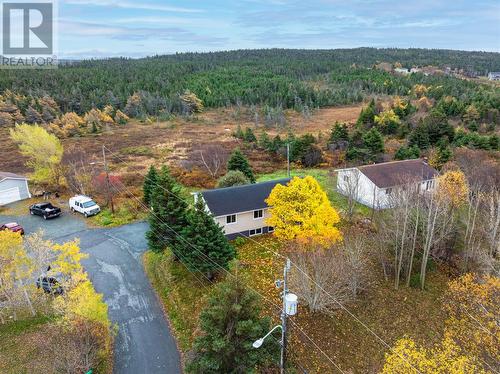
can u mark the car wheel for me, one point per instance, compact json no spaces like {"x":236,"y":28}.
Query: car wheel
{"x":31,"y":212}
{"x":86,"y":215}
{"x":72,"y":210}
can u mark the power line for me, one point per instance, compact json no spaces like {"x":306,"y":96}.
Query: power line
{"x":302,"y":271}
{"x":166,"y":244}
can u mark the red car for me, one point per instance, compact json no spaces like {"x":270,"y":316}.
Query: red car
{"x":12,"y":226}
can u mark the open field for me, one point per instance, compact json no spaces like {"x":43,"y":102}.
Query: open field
{"x":177,"y":141}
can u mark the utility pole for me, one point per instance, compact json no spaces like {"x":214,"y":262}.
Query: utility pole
{"x":283,"y":318}
{"x":289,"y":309}
{"x":108,"y":187}
{"x":288,"y":158}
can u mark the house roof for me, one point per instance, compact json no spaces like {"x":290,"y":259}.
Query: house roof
{"x":5,"y":175}
{"x":390,"y":174}
{"x":230,"y":200}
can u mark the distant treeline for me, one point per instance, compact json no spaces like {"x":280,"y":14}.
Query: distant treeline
{"x":275,"y":77}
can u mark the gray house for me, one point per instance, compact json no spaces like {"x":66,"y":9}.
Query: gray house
{"x":13,"y":188}
{"x":241,"y":210}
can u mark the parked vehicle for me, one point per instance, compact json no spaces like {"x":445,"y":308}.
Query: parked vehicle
{"x":12,"y":226}
{"x":84,"y":205}
{"x":45,"y":210}
{"x":49,"y":285}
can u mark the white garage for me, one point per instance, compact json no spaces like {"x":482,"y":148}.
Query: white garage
{"x":13,"y":188}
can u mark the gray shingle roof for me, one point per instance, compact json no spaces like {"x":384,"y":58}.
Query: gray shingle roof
{"x":5,"y":174}
{"x":390,"y":174}
{"x":230,"y":200}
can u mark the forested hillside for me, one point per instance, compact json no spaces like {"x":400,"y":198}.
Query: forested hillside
{"x":277,"y":78}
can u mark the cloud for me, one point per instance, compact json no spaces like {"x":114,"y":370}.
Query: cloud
{"x":133,"y":5}
{"x":125,"y":33}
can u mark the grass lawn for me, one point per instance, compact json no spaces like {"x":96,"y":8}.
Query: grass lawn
{"x":19,"y":344}
{"x":26,"y":346}
{"x":389,"y":313}
{"x":122,"y":216}
{"x":327,"y":180}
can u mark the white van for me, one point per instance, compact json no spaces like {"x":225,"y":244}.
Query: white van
{"x":84,"y":205}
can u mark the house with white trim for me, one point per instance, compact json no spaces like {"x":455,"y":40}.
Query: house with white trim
{"x":241,"y":210}
{"x":13,"y":187}
{"x":372,"y":185}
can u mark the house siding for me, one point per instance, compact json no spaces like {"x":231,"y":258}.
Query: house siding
{"x":244,"y":223}
{"x":367,"y":193}
{"x":21,"y":184}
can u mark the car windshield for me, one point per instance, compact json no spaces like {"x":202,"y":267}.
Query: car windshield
{"x":88,"y":204}
{"x":45,"y":206}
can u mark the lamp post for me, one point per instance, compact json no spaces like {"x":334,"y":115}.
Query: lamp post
{"x":289,"y":309}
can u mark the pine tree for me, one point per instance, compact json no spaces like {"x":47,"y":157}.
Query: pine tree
{"x":249,"y":136}
{"x":149,"y":183}
{"x":373,"y":141}
{"x":265,"y":142}
{"x":239,"y":162}
{"x":339,"y":132}
{"x":205,"y":249}
{"x":168,"y":215}
{"x":419,"y":137}
{"x":367,"y":115}
{"x":230,"y":323}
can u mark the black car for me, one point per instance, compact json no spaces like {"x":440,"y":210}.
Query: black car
{"x":46,"y":210}
{"x":49,"y":285}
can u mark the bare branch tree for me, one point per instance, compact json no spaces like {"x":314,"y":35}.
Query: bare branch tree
{"x":213,"y":157}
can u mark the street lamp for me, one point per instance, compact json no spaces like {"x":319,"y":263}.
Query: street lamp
{"x":258,"y":343}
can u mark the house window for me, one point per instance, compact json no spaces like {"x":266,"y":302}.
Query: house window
{"x":256,"y":231}
{"x":258,"y":214}
{"x":346,"y":178}
{"x":428,"y":185}
{"x":231,"y":219}
{"x":388,"y":191}
{"x":270,"y":229}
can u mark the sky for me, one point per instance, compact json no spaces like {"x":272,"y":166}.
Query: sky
{"x":137,"y":28}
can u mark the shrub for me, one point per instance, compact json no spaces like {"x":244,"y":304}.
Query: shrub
{"x":233,"y":178}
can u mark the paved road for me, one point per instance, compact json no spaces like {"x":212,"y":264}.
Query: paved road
{"x":144,"y":344}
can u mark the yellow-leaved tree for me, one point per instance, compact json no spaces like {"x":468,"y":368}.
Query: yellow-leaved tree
{"x":67,"y":263}
{"x":473,"y":307}
{"x":471,"y":335}
{"x":15,"y":274}
{"x":83,"y":302}
{"x":452,"y":186}
{"x":445,"y":358}
{"x":301,"y":210}
{"x":43,"y":150}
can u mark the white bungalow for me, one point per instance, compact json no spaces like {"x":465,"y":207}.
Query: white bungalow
{"x":372,"y":185}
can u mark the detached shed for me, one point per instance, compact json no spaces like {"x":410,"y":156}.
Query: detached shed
{"x":13,"y":188}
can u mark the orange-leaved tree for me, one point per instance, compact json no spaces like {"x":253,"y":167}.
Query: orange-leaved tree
{"x":301,"y":211}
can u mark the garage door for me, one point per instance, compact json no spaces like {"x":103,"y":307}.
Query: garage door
{"x":10,"y":195}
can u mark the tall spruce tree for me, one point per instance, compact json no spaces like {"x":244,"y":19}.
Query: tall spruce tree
{"x":205,"y":248}
{"x":230,"y":323}
{"x":373,"y":141}
{"x":149,"y":182}
{"x":168,"y":216}
{"x":238,"y":161}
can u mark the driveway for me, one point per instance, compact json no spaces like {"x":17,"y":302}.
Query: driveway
{"x":144,"y":343}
